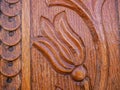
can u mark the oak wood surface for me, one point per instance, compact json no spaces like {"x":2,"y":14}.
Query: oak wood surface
{"x":26,"y":45}
{"x":59,"y":45}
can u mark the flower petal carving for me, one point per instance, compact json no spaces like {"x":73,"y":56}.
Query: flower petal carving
{"x":61,"y":45}
{"x":93,"y":19}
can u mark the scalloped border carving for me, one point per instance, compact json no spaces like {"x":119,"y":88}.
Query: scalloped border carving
{"x":10,"y":47}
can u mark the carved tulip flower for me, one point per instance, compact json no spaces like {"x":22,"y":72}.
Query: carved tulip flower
{"x":62,"y":47}
{"x":65,"y":49}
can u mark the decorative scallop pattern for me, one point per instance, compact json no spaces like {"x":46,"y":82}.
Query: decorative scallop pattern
{"x":10,"y":44}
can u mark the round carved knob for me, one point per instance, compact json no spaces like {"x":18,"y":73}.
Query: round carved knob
{"x":79,"y":73}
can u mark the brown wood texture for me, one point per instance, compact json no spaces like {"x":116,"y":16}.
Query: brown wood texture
{"x":59,"y":45}
{"x":10,"y":44}
{"x":26,"y":45}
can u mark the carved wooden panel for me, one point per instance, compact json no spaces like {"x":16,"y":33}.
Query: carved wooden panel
{"x":72,"y":44}
{"x":59,"y":45}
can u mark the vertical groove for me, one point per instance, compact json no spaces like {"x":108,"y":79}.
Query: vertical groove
{"x":26,"y":45}
{"x":117,"y":3}
{"x":117,"y":12}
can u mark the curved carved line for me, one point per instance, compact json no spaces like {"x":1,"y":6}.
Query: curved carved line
{"x":56,"y":37}
{"x":70,"y":36}
{"x":54,"y":34}
{"x":104,"y":50}
{"x":55,"y":50}
{"x":12,"y":1}
{"x":50,"y":33}
{"x":62,"y":51}
{"x":63,"y":38}
{"x":51,"y":57}
{"x":76,"y":4}
{"x":82,"y":12}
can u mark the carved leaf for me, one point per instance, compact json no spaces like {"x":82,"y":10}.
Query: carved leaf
{"x":60,"y":44}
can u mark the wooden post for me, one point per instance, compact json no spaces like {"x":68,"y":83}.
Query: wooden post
{"x":25,"y":45}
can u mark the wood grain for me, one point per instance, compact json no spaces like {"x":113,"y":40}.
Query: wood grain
{"x":92,"y":13}
{"x":26,"y":45}
{"x":59,"y":44}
